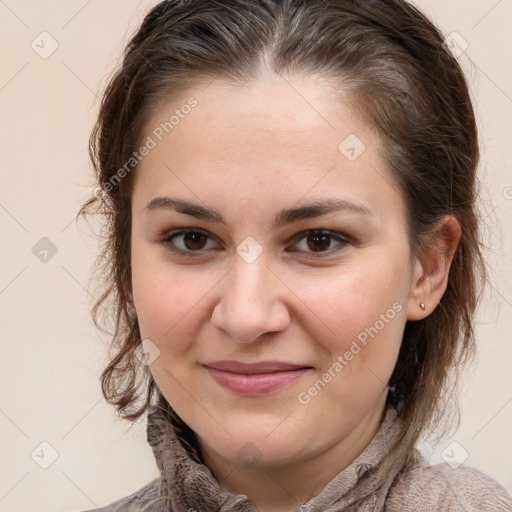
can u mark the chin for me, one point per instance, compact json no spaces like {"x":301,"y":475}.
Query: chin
{"x":251,"y":443}
{"x":251,"y":452}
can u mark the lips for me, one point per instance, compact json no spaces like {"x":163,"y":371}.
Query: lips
{"x":253,"y":368}
{"x":254,"y":379}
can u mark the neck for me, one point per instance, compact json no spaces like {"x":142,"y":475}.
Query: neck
{"x":283,"y":488}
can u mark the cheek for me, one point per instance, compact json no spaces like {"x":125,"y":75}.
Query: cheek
{"x":352,"y":302}
{"x":168,"y":309}
{"x":169,"y":301}
{"x":365,"y":314}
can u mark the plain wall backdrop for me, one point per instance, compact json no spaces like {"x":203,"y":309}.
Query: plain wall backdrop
{"x":62,"y":448}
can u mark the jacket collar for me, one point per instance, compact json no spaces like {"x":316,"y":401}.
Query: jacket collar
{"x":189,"y":485}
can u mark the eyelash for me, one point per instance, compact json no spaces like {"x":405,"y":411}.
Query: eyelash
{"x":168,"y":237}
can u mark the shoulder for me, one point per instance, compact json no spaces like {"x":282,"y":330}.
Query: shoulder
{"x":145,"y":499}
{"x":431,"y":488}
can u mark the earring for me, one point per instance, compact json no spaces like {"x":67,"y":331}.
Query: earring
{"x":422,"y":306}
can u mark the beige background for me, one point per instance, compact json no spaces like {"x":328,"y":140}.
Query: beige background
{"x":51,"y":355}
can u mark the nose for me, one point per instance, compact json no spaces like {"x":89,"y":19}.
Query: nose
{"x":251,"y":302}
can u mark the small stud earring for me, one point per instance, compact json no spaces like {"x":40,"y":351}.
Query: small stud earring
{"x":422,"y":306}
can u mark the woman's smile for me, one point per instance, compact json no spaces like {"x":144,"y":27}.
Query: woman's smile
{"x":255,"y":384}
{"x":254,"y":379}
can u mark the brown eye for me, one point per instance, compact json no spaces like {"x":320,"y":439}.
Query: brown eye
{"x":186,"y":242}
{"x":320,"y":242}
{"x":194,"y":241}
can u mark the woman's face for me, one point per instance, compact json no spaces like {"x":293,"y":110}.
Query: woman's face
{"x":320,"y":316}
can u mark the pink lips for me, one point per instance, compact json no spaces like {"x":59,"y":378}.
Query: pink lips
{"x":254,"y":379}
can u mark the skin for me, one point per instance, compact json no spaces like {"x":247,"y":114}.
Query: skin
{"x":248,"y":152}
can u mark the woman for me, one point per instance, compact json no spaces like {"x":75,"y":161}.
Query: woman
{"x":292,"y":254}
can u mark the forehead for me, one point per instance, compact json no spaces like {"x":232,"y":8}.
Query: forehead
{"x":287,"y":136}
{"x":272,"y":106}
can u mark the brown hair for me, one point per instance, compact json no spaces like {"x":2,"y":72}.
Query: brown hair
{"x":392,"y":62}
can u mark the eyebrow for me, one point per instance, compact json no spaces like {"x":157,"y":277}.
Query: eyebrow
{"x":284,"y":217}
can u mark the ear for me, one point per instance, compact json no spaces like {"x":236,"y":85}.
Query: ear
{"x":431,"y":268}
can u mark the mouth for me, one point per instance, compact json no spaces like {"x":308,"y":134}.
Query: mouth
{"x":255,"y":379}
